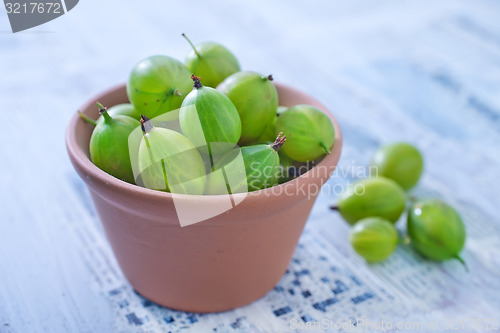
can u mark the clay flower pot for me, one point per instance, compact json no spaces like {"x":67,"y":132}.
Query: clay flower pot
{"x":218,"y":264}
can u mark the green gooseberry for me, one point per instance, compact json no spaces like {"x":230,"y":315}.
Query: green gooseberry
{"x":158,"y":84}
{"x":208,"y":118}
{"x":373,"y":238}
{"x":109,"y":145}
{"x":246,"y":169}
{"x":256,"y":100}
{"x":401,"y":162}
{"x":372,"y":197}
{"x":212,"y":62}
{"x":168,"y":161}
{"x":436,"y":230}
{"x":310,"y":132}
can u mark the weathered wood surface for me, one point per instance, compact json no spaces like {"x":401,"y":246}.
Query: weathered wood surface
{"x":427,"y":72}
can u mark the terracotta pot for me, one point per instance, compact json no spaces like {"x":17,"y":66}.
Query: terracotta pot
{"x":221,"y":263}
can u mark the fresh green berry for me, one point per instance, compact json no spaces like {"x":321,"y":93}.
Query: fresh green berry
{"x":168,"y":161}
{"x":209,"y":119}
{"x":212,"y":62}
{"x":247,"y":169}
{"x":373,"y":238}
{"x":310,"y":132}
{"x":372,"y":197}
{"x":256,"y":100}
{"x":158,"y":84}
{"x":109,"y":145}
{"x":436,"y":229}
{"x":400,"y":162}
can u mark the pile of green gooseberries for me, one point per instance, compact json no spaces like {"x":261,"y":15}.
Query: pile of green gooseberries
{"x":373,"y":205}
{"x":228,"y":117}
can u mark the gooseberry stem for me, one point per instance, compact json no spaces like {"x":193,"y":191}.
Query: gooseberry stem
{"x":104,"y":111}
{"x":146,"y":125}
{"x":334,"y":207}
{"x":177,"y":92}
{"x":280,"y":140}
{"x":462,"y":261}
{"x":87,"y":119}
{"x":322,"y":144}
{"x":192,"y":45}
{"x":269,"y":77}
{"x":197,"y":84}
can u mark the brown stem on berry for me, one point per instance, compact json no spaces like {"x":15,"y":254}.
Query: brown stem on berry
{"x":280,"y":140}
{"x":334,"y":207}
{"x":103,"y":111}
{"x":197,"y":84}
{"x":146,"y":125}
{"x":269,"y":77}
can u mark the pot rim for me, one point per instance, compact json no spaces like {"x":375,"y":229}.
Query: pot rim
{"x":79,"y":157}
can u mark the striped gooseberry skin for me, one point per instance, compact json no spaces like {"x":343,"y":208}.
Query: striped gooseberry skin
{"x":168,"y":161}
{"x":256,"y":100}
{"x":207,"y":117}
{"x":436,"y":229}
{"x":109,"y":148}
{"x":401,"y":162}
{"x":377,"y":196}
{"x":310,"y":132}
{"x":158,"y":84}
{"x":373,"y":238}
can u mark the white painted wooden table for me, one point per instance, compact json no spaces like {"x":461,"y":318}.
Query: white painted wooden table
{"x":427,"y":72}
